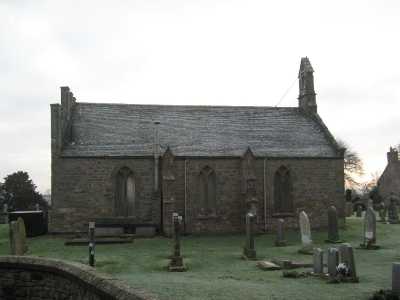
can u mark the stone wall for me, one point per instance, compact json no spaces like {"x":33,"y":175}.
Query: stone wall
{"x":84,"y":188}
{"x":390,"y":180}
{"x":31,"y":278}
{"x":317,"y":184}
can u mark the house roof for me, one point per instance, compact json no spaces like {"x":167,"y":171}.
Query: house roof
{"x":128,"y":130}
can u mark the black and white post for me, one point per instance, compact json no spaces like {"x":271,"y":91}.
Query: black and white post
{"x":92,"y":243}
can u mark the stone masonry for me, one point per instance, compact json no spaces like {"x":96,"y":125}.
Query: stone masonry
{"x":209,"y":164}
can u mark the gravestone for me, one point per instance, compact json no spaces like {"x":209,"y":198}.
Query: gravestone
{"x":333,"y":226}
{"x":318,"y":261}
{"x":349,"y":209}
{"x":393,"y":214}
{"x":369,"y":230}
{"x":396,"y":278}
{"x":305,"y":231}
{"x":5,"y":214}
{"x":37,"y":207}
{"x":382,"y":212}
{"x":349,"y":204}
{"x":176,"y":262}
{"x":333,"y":261}
{"x":280,"y":234}
{"x":347,"y":257}
{"x":17,"y":236}
{"x":249,"y":251}
{"x":359,"y":211}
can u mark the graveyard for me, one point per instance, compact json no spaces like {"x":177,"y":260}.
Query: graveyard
{"x":216,"y":270}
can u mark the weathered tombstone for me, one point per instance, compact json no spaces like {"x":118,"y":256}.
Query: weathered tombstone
{"x":393,"y":214}
{"x":249,"y":251}
{"x":369,"y":230}
{"x":176,"y":262}
{"x":349,"y":209}
{"x":382,"y":212}
{"x":370,"y":203}
{"x":280,"y":234}
{"x":396,"y":278}
{"x":347,"y":257}
{"x":349,"y":204}
{"x":17,"y":235}
{"x":5,"y":213}
{"x":305,"y":230}
{"x":333,"y":261}
{"x":359,"y":211}
{"x":333,"y":226}
{"x":22,"y":234}
{"x":348,"y":195}
{"x":318,"y":261}
{"x":92,"y":243}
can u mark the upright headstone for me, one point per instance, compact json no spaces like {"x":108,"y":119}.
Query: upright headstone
{"x":333,"y":261}
{"x":5,"y":213}
{"x":176,"y":262}
{"x":305,"y":231}
{"x":92,"y":243}
{"x":22,"y":234}
{"x":280,"y":233}
{"x":359,"y":210}
{"x":396,"y":278}
{"x":318,"y":261}
{"x":370,"y":203}
{"x":249,"y":251}
{"x":393,"y":214}
{"x":369,"y":230}
{"x":17,"y":236}
{"x":347,"y":257}
{"x":382,"y":212}
{"x":37,"y":207}
{"x":349,"y":204}
{"x":349,"y":209}
{"x":333,"y":226}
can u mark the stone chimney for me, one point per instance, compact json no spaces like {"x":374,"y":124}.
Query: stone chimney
{"x":393,"y":156}
{"x":307,"y":101}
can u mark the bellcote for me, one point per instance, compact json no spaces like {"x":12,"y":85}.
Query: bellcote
{"x":307,"y":100}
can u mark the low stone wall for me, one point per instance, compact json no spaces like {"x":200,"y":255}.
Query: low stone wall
{"x":31,"y":278}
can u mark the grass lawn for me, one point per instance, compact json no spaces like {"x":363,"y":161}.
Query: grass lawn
{"x":216,"y":270}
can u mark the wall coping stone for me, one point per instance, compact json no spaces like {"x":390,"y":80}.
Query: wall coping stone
{"x":102,"y":284}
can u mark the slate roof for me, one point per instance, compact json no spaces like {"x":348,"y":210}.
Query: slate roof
{"x":128,"y":130}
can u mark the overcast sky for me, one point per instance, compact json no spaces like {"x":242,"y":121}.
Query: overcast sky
{"x":198,"y":52}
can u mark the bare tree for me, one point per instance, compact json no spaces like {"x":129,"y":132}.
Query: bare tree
{"x":353,"y":166}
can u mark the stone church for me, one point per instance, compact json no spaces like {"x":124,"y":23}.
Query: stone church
{"x":389,"y":182}
{"x":135,"y":165}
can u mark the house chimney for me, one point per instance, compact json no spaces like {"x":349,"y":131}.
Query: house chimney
{"x":393,"y":156}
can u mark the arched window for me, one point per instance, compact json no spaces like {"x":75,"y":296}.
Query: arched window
{"x":283,"y":202}
{"x":125,"y":193}
{"x":207,"y":191}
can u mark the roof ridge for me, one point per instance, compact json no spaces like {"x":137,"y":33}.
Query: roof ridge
{"x":188,"y":105}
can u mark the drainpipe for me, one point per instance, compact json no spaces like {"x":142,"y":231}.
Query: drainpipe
{"x":185,"y":198}
{"x":265,"y":195}
{"x":156,"y":155}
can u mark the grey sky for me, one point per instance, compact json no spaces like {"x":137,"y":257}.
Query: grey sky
{"x":198,"y":52}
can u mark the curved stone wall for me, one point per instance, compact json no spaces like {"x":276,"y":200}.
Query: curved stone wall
{"x":28,"y":278}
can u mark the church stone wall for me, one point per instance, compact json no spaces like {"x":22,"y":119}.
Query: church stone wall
{"x":317,"y":184}
{"x":389,"y":182}
{"x":84,"y":188}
